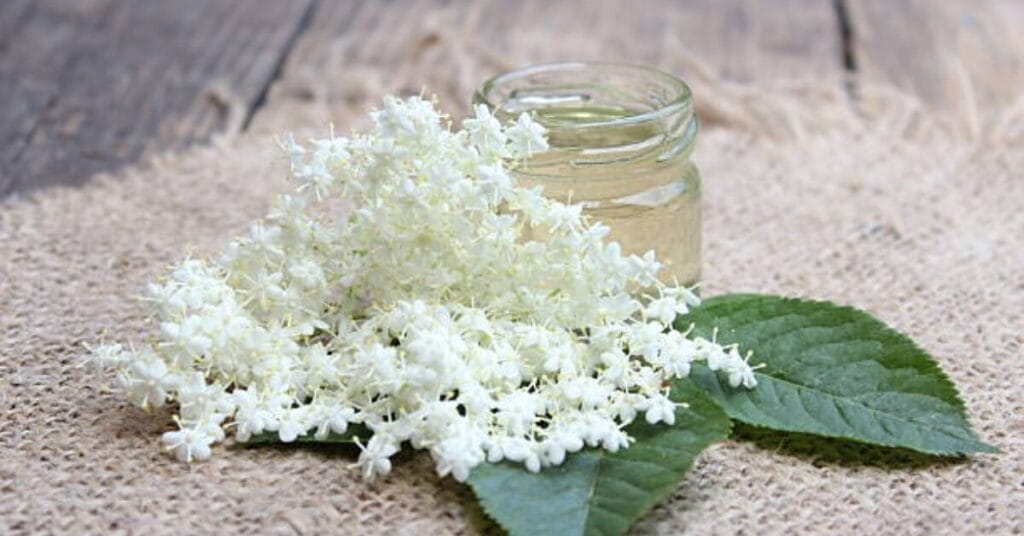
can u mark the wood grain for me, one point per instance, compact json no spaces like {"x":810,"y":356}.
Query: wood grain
{"x":738,"y":40}
{"x":964,"y":57}
{"x":89,"y":85}
{"x":353,"y":52}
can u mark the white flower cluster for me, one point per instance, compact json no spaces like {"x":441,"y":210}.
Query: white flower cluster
{"x":422,"y":313}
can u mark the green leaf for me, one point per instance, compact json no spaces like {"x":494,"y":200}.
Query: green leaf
{"x":833,"y":371}
{"x":597,"y":492}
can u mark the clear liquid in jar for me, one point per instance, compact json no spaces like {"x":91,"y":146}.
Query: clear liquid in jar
{"x":648,"y":203}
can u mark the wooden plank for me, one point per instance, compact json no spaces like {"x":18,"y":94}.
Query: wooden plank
{"x":739,"y":40}
{"x":964,"y":57}
{"x":352,"y":54}
{"x":93,"y":84}
{"x":89,"y":85}
{"x":12,"y":14}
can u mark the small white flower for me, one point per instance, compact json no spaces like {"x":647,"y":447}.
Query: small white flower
{"x":659,"y":409}
{"x":146,"y":380}
{"x":526,"y":137}
{"x":646,"y":339}
{"x":109,"y":356}
{"x":665,"y":309}
{"x":485,"y":131}
{"x":677,"y":353}
{"x":738,"y":370}
{"x":306,"y":272}
{"x":189,"y":444}
{"x":331,"y":418}
{"x":375,"y":458}
{"x":187,"y":335}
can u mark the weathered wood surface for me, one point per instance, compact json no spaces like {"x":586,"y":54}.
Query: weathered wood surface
{"x":89,"y":85}
{"x":966,"y":57}
{"x":405,"y":46}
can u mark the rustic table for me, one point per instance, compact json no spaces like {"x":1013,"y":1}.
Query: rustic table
{"x":91,"y":85}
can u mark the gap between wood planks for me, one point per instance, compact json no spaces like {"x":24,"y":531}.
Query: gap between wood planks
{"x":847,"y":46}
{"x":261,"y":97}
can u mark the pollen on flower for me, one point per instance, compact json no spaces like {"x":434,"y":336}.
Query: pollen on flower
{"x":425,"y":314}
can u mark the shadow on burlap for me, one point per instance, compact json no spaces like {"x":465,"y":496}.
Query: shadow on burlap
{"x":874,"y":204}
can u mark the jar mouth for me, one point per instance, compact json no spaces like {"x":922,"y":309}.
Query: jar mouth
{"x":598,"y":115}
{"x":644,"y":94}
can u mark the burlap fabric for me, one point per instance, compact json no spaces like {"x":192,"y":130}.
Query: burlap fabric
{"x":875,"y":204}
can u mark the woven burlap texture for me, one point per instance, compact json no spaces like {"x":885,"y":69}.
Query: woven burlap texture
{"x":872,"y":203}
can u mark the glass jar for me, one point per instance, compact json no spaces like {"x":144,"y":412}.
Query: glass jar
{"x":621,"y":138}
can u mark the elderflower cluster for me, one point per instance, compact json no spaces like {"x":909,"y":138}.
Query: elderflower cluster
{"x":422,"y":312}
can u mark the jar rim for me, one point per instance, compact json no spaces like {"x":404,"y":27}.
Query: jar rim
{"x":679,"y":100}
